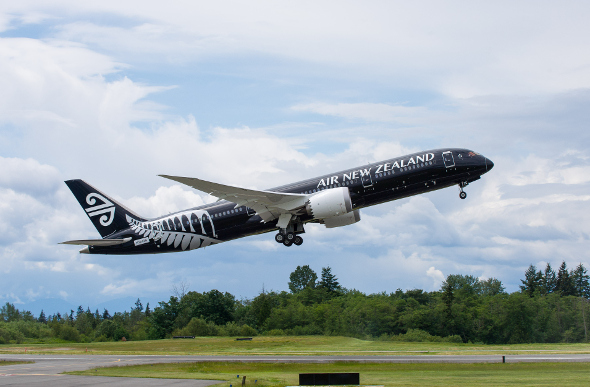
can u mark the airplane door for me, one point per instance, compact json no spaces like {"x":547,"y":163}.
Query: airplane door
{"x":366,"y":180}
{"x":207,"y":226}
{"x":448,"y":159}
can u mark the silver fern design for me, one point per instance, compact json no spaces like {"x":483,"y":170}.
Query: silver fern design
{"x":173,"y":232}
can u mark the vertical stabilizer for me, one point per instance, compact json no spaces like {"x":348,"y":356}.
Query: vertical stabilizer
{"x":106,"y":214}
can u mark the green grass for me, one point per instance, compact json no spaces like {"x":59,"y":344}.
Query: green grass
{"x":7,"y":362}
{"x":287,"y":345}
{"x":285,"y":374}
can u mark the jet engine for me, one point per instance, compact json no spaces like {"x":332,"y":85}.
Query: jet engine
{"x":342,"y":220}
{"x":329,"y":203}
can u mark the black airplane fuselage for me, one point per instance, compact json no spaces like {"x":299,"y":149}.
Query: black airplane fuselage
{"x":368,"y":185}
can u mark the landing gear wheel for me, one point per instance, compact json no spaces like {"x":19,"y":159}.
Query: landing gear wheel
{"x":463,"y":195}
{"x":290,"y":236}
{"x":287,"y":242}
{"x":280,"y":238}
{"x":298,"y":240}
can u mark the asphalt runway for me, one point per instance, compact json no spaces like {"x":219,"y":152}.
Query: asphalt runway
{"x":47,"y":369}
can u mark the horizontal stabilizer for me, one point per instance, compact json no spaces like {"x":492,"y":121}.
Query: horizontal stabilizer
{"x":97,"y":242}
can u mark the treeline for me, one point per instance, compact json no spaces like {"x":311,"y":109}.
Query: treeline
{"x":550,"y":307}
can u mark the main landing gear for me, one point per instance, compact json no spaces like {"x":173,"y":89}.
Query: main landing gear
{"x":288,"y":237}
{"x":462,"y":185}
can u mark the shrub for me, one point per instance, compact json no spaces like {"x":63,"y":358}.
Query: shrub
{"x":10,"y":335}
{"x":275,"y":332}
{"x":69,"y":333}
{"x":420,"y":336}
{"x":247,"y":330}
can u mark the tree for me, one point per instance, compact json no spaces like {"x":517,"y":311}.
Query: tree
{"x":181,"y":289}
{"x":329,"y":281}
{"x":9,"y":313}
{"x":42,"y":318}
{"x":491,"y":287}
{"x":262,"y":306}
{"x":549,"y":280}
{"x":138,"y":305}
{"x":218,"y":307}
{"x":581,"y":281}
{"x":532,"y":281}
{"x":106,"y":315}
{"x":467,"y":285}
{"x":303,"y":277}
{"x":447,"y":299}
{"x":564,"y":283}
{"x":163,"y":317}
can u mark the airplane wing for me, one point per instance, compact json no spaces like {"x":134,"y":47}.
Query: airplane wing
{"x":267,"y":204}
{"x":97,"y":242}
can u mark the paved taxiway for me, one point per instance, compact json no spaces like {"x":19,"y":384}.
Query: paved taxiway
{"x":47,"y":368}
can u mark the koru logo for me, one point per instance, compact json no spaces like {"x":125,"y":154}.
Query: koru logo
{"x":106,"y":208}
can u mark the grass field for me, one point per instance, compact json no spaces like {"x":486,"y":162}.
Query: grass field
{"x":287,"y":345}
{"x":281,"y":374}
{"x":7,"y":363}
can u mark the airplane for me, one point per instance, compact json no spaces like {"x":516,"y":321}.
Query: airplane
{"x":333,"y":200}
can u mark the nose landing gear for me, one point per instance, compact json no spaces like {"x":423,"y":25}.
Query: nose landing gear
{"x":462,"y":185}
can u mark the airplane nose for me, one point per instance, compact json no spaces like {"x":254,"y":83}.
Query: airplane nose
{"x":489,"y":164}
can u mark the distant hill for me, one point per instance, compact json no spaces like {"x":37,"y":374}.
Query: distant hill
{"x":48,"y":305}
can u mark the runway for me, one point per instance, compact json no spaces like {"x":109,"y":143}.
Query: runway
{"x":47,"y":369}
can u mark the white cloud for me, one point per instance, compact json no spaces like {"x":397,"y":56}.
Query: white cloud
{"x":165,"y":200}
{"x":500,"y":47}
{"x":436,"y":275}
{"x":379,"y":112}
{"x":28,"y":175}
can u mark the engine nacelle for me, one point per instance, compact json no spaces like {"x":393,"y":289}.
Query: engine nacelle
{"x":329,"y":203}
{"x":343,"y":220}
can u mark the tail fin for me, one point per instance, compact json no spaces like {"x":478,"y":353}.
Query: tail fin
{"x":106,"y":214}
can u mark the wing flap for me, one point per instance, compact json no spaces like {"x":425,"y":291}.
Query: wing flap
{"x":268,"y":204}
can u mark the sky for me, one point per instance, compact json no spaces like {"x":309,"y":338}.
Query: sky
{"x":263,"y":93}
